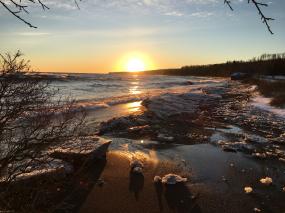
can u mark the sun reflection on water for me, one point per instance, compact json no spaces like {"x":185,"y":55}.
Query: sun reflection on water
{"x":134,"y":90}
{"x":134,"y":106}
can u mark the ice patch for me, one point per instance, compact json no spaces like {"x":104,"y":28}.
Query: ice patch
{"x":266,"y":181}
{"x":170,"y":104}
{"x":248,"y":189}
{"x":263,"y":103}
{"x":172,"y":179}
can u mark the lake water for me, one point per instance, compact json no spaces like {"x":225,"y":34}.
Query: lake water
{"x":95,"y":91}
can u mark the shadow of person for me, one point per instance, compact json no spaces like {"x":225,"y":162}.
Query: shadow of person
{"x":159,"y":191}
{"x":136,"y":183}
{"x":180,"y":199}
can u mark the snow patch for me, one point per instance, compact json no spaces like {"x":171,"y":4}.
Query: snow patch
{"x":263,"y":103}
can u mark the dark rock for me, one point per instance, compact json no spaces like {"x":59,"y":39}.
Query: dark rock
{"x":227,"y":148}
{"x":239,"y":76}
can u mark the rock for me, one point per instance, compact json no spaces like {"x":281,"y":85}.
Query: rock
{"x":257,"y":210}
{"x":100,"y":182}
{"x":190,"y":83}
{"x":283,"y":189}
{"x":239,"y":76}
{"x":100,"y":152}
{"x":248,"y":189}
{"x":157,"y":179}
{"x":115,"y":124}
{"x":136,"y":166}
{"x":227,"y":148}
{"x":172,"y":179}
{"x":138,"y":170}
{"x":266,"y":181}
{"x":221,"y":142}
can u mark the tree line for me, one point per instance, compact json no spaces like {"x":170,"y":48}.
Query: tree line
{"x":266,"y":64}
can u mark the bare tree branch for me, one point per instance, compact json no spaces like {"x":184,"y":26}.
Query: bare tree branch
{"x":227,"y":2}
{"x":258,"y":6}
{"x":18,"y":7}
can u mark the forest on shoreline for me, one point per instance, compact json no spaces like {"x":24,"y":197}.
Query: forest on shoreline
{"x":266,"y":64}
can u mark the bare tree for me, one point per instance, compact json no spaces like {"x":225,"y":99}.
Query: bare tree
{"x":18,"y":7}
{"x":31,"y":118}
{"x":258,"y":5}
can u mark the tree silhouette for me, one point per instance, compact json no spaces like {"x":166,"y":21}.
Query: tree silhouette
{"x":18,"y":7}
{"x":32,"y":118}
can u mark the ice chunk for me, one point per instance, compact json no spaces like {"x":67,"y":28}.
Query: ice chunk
{"x":248,"y":189}
{"x":172,"y":179}
{"x":266,"y":181}
{"x":165,"y":138}
{"x":259,"y":155}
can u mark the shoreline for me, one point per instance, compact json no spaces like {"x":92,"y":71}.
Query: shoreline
{"x":227,"y":151}
{"x":216,"y":182}
{"x":212,"y":135}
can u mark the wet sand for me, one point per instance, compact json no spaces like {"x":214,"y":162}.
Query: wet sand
{"x":216,"y":182}
{"x":127,"y":192}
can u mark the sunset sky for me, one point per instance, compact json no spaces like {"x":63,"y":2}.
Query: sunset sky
{"x":104,"y":34}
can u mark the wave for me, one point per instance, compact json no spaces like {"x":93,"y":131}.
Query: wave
{"x":171,"y":84}
{"x":96,"y":105}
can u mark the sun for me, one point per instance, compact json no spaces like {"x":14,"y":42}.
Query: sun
{"x":134,"y":62}
{"x":135,"y":65}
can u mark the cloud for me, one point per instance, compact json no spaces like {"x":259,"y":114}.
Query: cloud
{"x":202,"y":14}
{"x":174,"y":13}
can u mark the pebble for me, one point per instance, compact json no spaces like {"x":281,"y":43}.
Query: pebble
{"x":257,"y":210}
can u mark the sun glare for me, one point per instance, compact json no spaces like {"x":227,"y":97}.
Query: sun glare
{"x":134,"y":62}
{"x":135,"y":65}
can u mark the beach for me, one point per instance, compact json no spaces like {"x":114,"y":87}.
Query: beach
{"x":217,"y":135}
{"x":211,"y":131}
